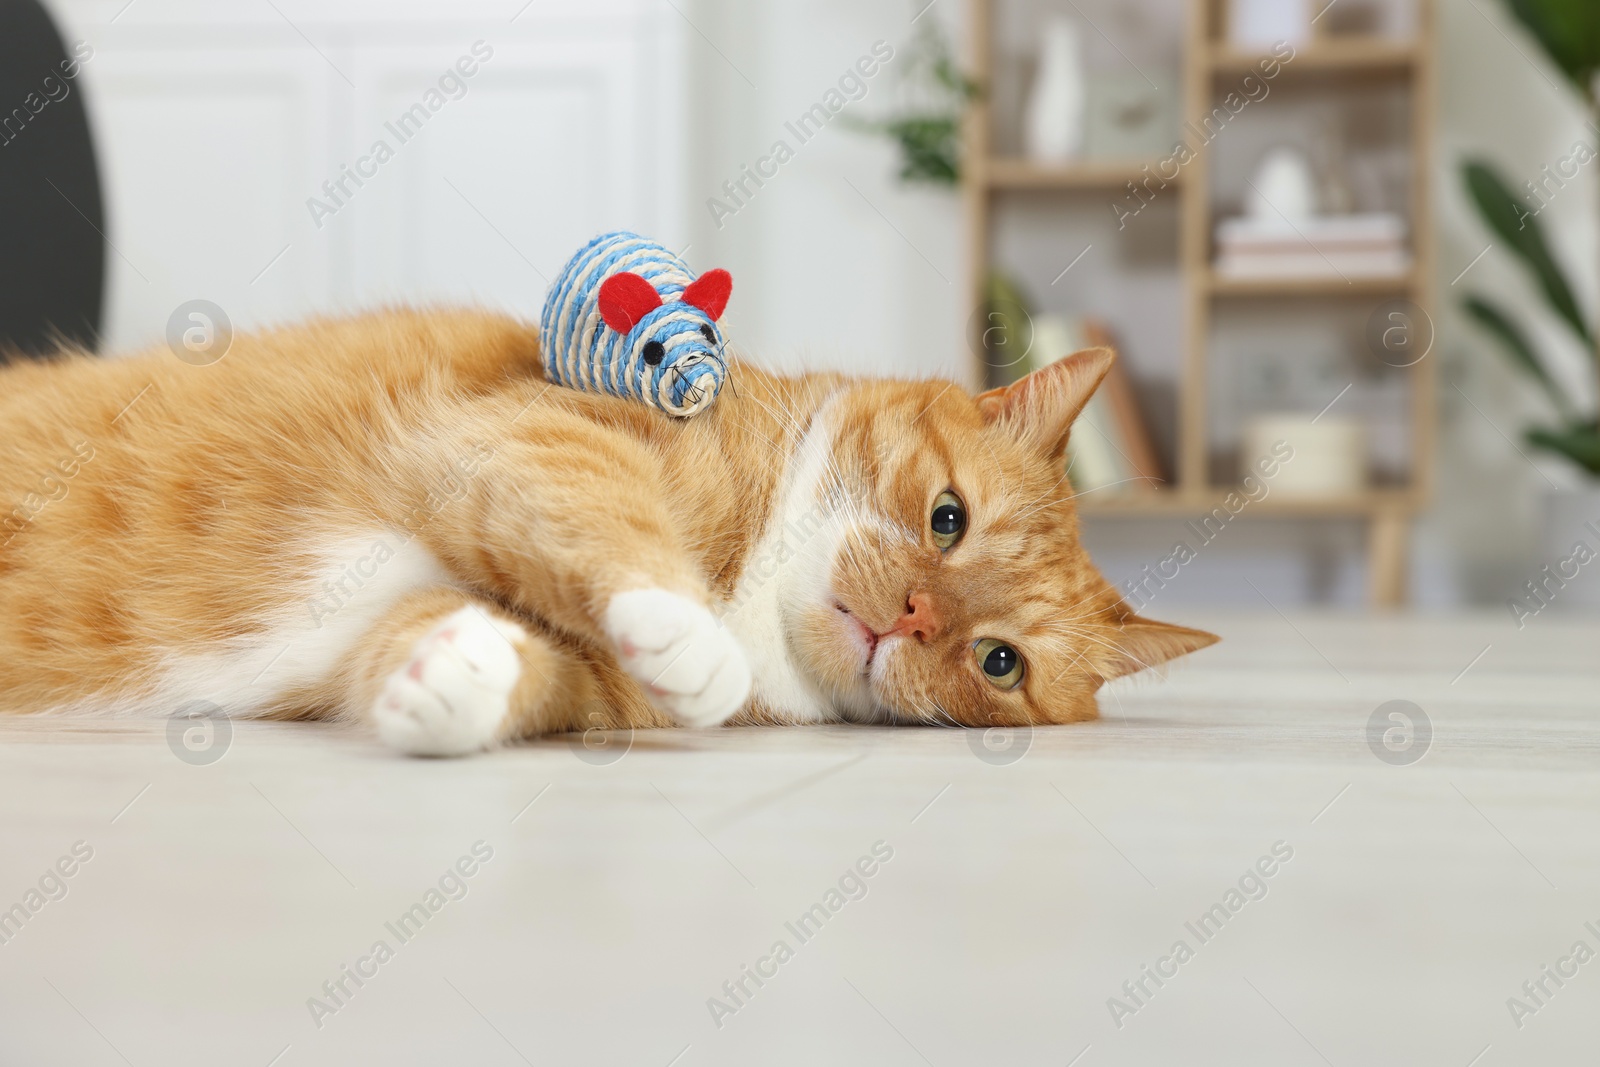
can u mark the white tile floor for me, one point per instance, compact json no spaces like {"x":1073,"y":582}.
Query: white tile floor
{"x":1026,"y":884}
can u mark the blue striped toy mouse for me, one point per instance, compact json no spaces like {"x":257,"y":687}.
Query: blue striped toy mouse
{"x":628,"y":318}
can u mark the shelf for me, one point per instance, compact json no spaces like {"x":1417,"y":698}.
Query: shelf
{"x":1347,"y":70}
{"x":1353,"y":55}
{"x":1355,"y":285}
{"x":1087,"y":174}
{"x":1172,"y":503}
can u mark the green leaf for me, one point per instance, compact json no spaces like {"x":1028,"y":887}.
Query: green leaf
{"x":1515,"y":225}
{"x":950,"y":78}
{"x":1569,"y":32}
{"x":1580,"y":444}
{"x":1006,"y":331}
{"x":1517,"y":347}
{"x":930,"y":148}
{"x":927,"y":129}
{"x":930,"y":145}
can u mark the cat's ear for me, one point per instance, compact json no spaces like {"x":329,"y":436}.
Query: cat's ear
{"x":1142,"y":643}
{"x":1041,"y":407}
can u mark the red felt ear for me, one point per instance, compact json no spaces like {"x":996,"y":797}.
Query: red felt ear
{"x":710,"y":292}
{"x":626,"y":298}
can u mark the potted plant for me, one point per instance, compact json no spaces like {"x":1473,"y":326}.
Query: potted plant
{"x":927,"y":126}
{"x":1569,"y":33}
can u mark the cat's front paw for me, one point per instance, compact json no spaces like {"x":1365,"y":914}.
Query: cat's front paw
{"x":686,"y":660}
{"x":452,"y":695}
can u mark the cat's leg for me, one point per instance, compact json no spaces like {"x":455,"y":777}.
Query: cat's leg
{"x":570,"y":521}
{"x":447,"y":673}
{"x":442,"y":674}
{"x":674,"y":647}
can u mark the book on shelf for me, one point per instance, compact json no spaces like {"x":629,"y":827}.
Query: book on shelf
{"x":1110,"y":449}
{"x":1345,"y":246}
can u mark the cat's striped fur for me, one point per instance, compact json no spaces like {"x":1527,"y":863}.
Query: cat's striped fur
{"x":396,"y":518}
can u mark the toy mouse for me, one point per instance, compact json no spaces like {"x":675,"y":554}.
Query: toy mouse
{"x":628,"y":318}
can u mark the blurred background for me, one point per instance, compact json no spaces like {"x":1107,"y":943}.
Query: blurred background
{"x":1365,"y":229}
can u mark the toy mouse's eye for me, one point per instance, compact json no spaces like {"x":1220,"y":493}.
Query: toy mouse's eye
{"x":709,"y":333}
{"x":654,"y":353}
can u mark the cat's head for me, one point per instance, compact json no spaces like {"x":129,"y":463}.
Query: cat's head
{"x":945,"y":582}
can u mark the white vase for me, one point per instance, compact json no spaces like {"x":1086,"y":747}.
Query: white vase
{"x":1284,"y":188}
{"x":1053,"y":121}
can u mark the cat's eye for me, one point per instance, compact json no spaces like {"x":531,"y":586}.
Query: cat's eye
{"x":654,"y":353}
{"x":949,"y":519}
{"x":709,"y":333}
{"x":999,"y":663}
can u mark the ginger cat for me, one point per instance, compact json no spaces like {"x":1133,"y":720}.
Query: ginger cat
{"x":394,"y":518}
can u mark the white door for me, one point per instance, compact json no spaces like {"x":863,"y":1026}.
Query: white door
{"x":238,"y":144}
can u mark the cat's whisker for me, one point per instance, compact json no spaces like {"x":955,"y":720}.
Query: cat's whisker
{"x":1049,"y":494}
{"x":1120,"y":649}
{"x":1113,"y":485}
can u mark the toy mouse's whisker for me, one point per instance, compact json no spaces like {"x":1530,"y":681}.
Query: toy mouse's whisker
{"x":715,"y":355}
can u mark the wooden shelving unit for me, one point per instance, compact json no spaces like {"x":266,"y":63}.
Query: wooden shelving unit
{"x":1357,"y":285}
{"x":1352,"y":56}
{"x":1022,"y":174}
{"x":1325,"y":65}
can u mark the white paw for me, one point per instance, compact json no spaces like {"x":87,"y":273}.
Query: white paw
{"x":452,"y":695}
{"x":686,"y":660}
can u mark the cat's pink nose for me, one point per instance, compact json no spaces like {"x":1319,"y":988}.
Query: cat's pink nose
{"x":920,"y":619}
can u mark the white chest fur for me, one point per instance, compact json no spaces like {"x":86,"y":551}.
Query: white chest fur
{"x":790,"y":567}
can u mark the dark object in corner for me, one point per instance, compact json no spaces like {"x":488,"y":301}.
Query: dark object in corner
{"x":52,"y":254}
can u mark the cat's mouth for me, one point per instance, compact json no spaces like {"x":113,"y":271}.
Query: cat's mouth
{"x":862,"y":636}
